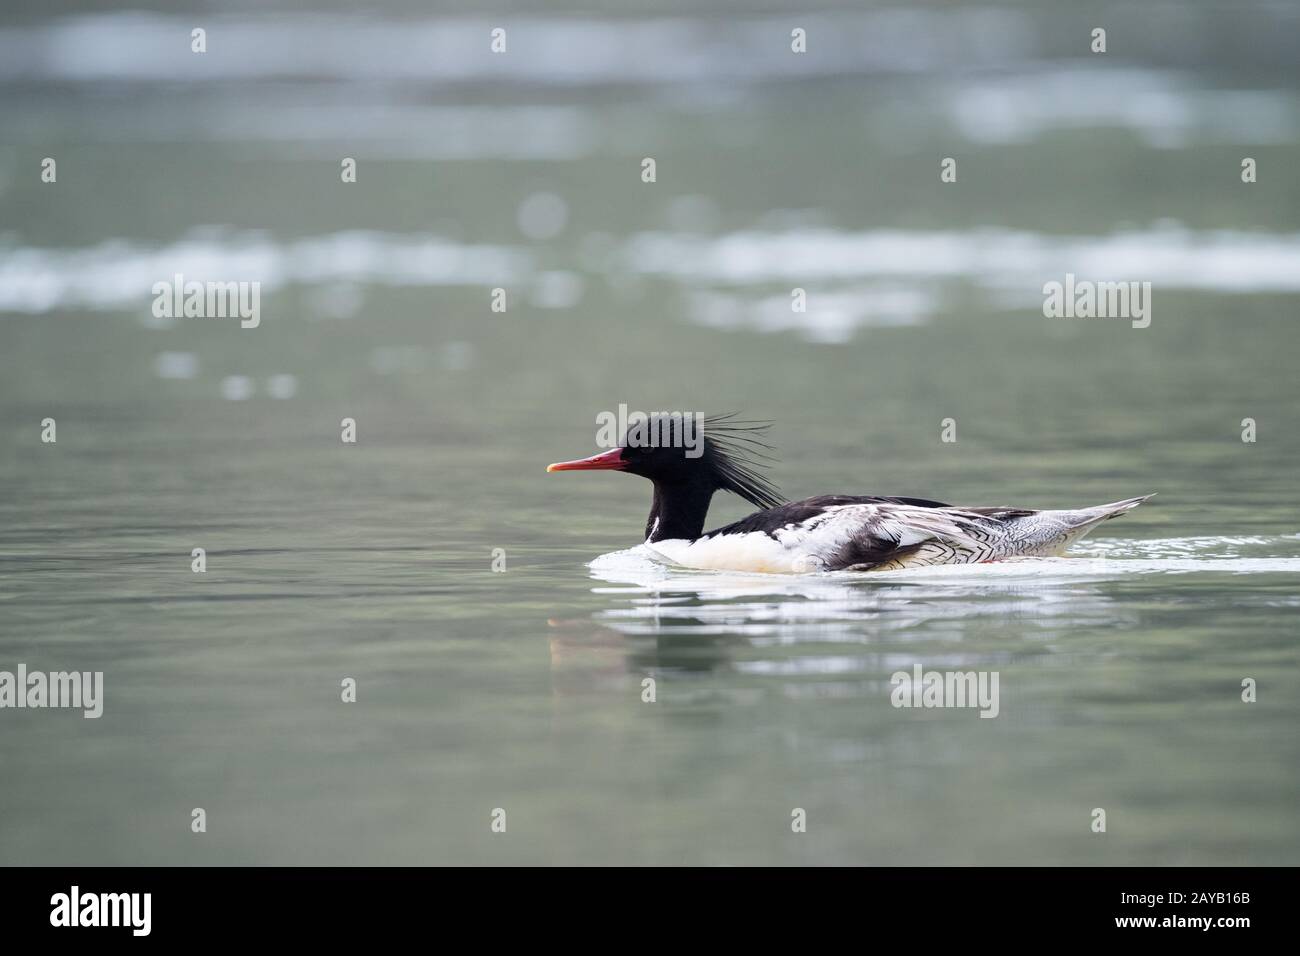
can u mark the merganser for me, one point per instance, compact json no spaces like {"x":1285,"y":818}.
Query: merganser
{"x":825,"y":533}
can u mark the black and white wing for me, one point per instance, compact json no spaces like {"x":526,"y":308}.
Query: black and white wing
{"x":839,"y":532}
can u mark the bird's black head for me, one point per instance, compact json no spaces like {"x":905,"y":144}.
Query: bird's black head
{"x":703,"y":455}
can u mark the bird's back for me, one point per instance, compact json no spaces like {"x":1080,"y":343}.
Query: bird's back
{"x":877,"y":533}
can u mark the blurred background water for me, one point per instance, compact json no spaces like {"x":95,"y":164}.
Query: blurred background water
{"x":1120,"y":669}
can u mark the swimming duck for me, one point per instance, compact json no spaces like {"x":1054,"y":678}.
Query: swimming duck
{"x":824,"y":533}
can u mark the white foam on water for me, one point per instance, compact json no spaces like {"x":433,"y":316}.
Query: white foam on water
{"x":121,"y":275}
{"x":1165,"y":109}
{"x":1167,"y":255}
{"x":566,"y":51}
{"x":880,"y":277}
{"x":830,"y":316}
{"x":896,"y":277}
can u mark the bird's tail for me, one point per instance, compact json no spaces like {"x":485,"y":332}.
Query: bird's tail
{"x":1087,"y":517}
{"x":1081,"y":521}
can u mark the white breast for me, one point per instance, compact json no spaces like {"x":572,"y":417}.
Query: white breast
{"x":753,"y":551}
{"x":795,"y":549}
